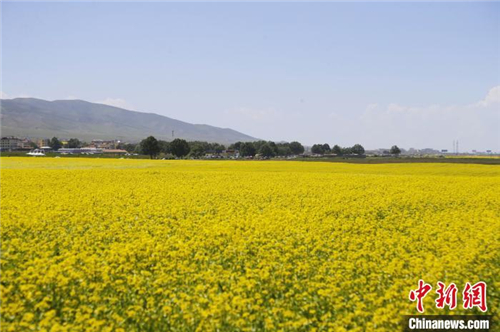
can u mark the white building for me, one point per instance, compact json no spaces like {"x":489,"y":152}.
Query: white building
{"x":10,"y":143}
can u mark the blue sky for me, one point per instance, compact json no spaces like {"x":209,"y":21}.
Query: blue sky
{"x":413,"y":74}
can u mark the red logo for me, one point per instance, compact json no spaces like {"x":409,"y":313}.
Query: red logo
{"x":447,"y":296}
{"x":473,"y":295}
{"x":419,"y":294}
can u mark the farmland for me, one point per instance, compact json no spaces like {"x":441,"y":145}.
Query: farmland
{"x":150,"y":245}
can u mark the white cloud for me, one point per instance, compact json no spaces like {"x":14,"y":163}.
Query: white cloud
{"x":493,"y":97}
{"x":476,"y":125}
{"x":117,"y":102}
{"x":3,"y":95}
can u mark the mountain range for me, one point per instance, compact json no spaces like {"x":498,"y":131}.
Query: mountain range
{"x":30,"y":117}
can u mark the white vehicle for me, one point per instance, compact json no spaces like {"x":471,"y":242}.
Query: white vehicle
{"x":36,"y":153}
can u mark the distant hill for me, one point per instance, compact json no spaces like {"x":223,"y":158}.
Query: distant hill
{"x":32,"y":117}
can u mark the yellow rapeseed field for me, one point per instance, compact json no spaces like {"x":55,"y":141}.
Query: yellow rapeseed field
{"x":139,"y":245}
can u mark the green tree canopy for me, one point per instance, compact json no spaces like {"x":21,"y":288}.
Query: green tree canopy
{"x":258,"y":144}
{"x":337,"y":150}
{"x":164,"y":146}
{"x":247,"y":149}
{"x":358,"y":149}
{"x":395,"y":150}
{"x":130,"y":147}
{"x":284,"y":150}
{"x":273,"y":146}
{"x":150,"y":147}
{"x":74,"y":143}
{"x":235,"y":146}
{"x":267,"y":151}
{"x":218,"y":148}
{"x":318,"y":149}
{"x":197,"y":150}
{"x":296,"y":148}
{"x":179,"y":147}
{"x":346,"y":151}
{"x":55,"y":144}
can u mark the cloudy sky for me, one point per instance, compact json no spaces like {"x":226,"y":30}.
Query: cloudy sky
{"x":413,"y":74}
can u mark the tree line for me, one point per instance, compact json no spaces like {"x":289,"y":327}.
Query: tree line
{"x":178,"y":147}
{"x":56,"y":144}
{"x":267,"y":149}
{"x":182,"y":148}
{"x":356,"y":149}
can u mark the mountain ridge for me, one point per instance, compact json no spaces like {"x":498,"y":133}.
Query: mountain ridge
{"x":33,"y":117}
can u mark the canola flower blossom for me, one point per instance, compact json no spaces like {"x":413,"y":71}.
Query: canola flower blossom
{"x":139,"y":245}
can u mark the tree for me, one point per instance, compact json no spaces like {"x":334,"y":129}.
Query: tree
{"x":337,"y":150}
{"x":284,"y":150}
{"x":179,"y":147}
{"x":326,"y":148}
{"x":395,"y":150}
{"x":197,"y":150}
{"x":55,"y":144}
{"x":247,"y":149}
{"x":267,"y":151}
{"x":273,"y":146}
{"x":346,"y":151}
{"x":129,"y":147}
{"x":317,"y":149}
{"x":358,"y":149}
{"x":74,"y":143}
{"x":218,"y":148}
{"x":296,"y":148}
{"x":258,"y":144}
{"x":164,"y":146}
{"x":235,"y":146}
{"x":150,"y":147}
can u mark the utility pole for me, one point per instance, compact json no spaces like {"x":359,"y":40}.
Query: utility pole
{"x":172,"y":133}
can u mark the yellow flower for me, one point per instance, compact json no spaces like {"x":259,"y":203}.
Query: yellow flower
{"x":133,"y":245}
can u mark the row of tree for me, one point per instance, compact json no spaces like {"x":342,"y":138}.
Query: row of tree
{"x":181,"y":148}
{"x":152,"y":147}
{"x":56,"y":144}
{"x":267,"y":149}
{"x":356,"y":149}
{"x":178,"y":147}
